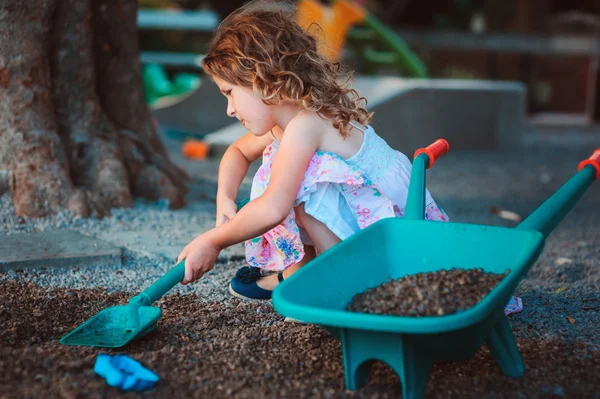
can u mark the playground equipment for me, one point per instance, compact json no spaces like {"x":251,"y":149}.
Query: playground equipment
{"x":158,"y":87}
{"x":421,"y":109}
{"x":393,"y":248}
{"x":336,"y":22}
{"x":189,"y":106}
{"x":195,"y":113}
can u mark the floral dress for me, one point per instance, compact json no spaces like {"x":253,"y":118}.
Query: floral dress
{"x":346,"y":195}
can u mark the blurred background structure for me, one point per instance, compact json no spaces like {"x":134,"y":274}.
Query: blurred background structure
{"x":474,"y":71}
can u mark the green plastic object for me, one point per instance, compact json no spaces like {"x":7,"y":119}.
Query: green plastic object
{"x":118,"y":325}
{"x":185,"y":82}
{"x":406,"y":57}
{"x":393,"y":248}
{"x":157,"y":85}
{"x":155,"y":82}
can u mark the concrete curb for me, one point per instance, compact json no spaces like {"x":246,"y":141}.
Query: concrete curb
{"x":62,"y":248}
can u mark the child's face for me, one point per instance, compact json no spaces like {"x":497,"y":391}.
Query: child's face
{"x":246,"y":106}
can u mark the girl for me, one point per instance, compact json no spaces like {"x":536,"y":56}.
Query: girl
{"x":325,"y":173}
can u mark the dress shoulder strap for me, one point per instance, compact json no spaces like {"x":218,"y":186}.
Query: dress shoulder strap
{"x":358,"y":127}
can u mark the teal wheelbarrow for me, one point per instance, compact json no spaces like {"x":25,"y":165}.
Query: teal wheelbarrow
{"x":393,"y":248}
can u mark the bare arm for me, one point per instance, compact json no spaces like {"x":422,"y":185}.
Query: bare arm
{"x":265,"y":212}
{"x":235,"y":162}
{"x":262,"y":214}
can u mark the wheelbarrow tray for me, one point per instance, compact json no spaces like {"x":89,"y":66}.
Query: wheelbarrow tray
{"x":392,"y":248}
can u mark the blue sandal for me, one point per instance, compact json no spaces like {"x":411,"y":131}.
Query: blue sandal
{"x":244,"y":286}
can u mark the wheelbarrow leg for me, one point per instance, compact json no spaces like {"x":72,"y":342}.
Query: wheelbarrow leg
{"x":355,"y":353}
{"x":503,"y":347}
{"x":413,"y":368}
{"x":361,"y":348}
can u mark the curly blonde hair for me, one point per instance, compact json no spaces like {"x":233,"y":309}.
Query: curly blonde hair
{"x":265,"y":49}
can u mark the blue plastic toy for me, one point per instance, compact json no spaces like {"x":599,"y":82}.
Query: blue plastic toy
{"x":125,"y":373}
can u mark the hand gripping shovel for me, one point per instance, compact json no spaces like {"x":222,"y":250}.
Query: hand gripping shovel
{"x":118,"y":325}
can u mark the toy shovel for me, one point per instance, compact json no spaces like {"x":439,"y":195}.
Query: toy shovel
{"x":118,"y":325}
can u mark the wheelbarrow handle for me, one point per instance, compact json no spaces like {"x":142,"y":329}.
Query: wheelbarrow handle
{"x":415,"y":200}
{"x":594,"y":161}
{"x":548,"y":215}
{"x":434,"y":151}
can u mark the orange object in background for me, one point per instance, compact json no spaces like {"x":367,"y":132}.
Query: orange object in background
{"x":335,"y":21}
{"x":195,"y":149}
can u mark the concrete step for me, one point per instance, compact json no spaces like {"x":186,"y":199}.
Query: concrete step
{"x":61,"y":248}
{"x":154,"y":242}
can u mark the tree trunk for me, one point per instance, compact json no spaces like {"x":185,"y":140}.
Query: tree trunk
{"x":74,"y":129}
{"x":117,"y":53}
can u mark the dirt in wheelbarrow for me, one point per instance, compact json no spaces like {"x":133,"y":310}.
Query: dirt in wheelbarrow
{"x":427,"y":294}
{"x":243,"y":350}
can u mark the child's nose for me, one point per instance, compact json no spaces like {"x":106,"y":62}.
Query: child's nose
{"x":230,"y":110}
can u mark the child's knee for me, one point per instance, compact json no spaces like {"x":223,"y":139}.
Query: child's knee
{"x":300,"y":215}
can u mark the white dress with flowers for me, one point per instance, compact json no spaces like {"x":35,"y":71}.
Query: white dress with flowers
{"x":345,"y":194}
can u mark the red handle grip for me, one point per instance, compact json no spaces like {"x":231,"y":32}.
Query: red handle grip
{"x":594,"y":160}
{"x":434,"y":151}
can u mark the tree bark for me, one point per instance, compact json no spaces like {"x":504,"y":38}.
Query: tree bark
{"x":74,"y":129}
{"x":29,"y":144}
{"x":90,"y":139}
{"x":117,"y":53}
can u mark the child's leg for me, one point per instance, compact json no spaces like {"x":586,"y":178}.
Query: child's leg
{"x":319,"y":233}
{"x":270,"y":282}
{"x":309,"y":254}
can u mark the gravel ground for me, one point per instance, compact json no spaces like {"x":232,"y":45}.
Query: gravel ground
{"x":245,"y":350}
{"x":138,"y":271}
{"x":467,"y":184}
{"x":561,"y":294}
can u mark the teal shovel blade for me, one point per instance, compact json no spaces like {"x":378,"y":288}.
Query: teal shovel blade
{"x":113,"y":327}
{"x":116,"y":326}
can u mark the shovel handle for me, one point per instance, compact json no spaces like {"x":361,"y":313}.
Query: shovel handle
{"x":434,"y":151}
{"x":170,"y":279}
{"x":594,"y":160}
{"x":163,"y":284}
